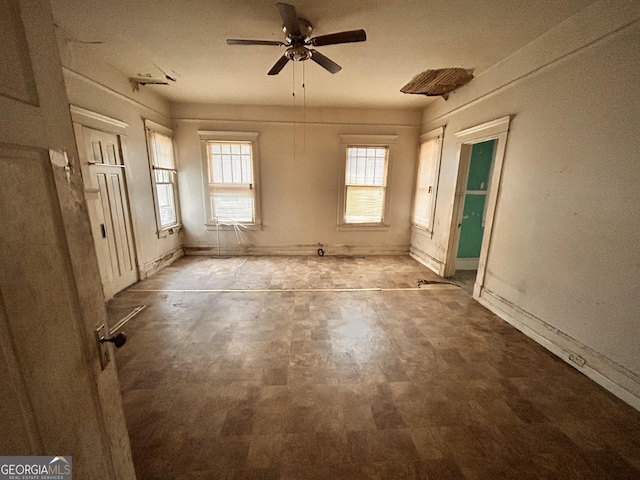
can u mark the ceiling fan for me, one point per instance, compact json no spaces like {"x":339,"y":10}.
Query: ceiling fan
{"x":298,"y":41}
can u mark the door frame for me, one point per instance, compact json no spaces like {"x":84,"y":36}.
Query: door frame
{"x":465,"y":139}
{"x":81,"y":118}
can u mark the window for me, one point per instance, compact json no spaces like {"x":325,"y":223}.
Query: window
{"x":365,"y":183}
{"x":231,"y":173}
{"x":364,"y":195}
{"x":424,"y":202}
{"x":231,"y":182}
{"x":163,"y":176}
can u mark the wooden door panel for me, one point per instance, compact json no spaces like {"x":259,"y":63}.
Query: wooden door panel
{"x":33,"y":241}
{"x":54,"y":395}
{"x":96,"y":152}
{"x":107,"y":176}
{"x":111,"y":266}
{"x":110,"y":153}
{"x":119,"y":221}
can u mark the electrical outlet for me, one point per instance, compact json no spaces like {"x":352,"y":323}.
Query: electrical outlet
{"x":577,"y":359}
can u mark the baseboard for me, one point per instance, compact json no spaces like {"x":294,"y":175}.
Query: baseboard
{"x":617,"y":379}
{"x":149,"y":268}
{"x":282,"y":250}
{"x":467,"y":263}
{"x":427,"y":260}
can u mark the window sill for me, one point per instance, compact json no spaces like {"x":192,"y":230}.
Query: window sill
{"x":363,"y":227}
{"x":228,"y":227}
{"x":165,"y":232}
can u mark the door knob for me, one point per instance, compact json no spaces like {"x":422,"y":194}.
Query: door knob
{"x":118,"y":340}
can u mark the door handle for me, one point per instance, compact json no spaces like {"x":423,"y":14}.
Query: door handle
{"x":118,"y":340}
{"x":102,"y":341}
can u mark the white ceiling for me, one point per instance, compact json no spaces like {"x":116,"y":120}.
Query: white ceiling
{"x":405,"y":37}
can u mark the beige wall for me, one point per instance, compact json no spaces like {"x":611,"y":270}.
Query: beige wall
{"x":564,"y":259}
{"x":299,"y":192}
{"x":95,"y":86}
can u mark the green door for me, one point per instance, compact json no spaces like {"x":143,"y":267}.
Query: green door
{"x":475,"y":198}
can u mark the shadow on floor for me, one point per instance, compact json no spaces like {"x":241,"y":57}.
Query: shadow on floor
{"x":465,"y":279}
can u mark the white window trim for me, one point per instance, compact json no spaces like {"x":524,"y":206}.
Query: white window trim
{"x":436,"y":133}
{"x":347,"y":141}
{"x":151,"y":126}
{"x":227,"y":136}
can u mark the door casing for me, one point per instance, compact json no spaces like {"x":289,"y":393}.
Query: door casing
{"x":494,"y":130}
{"x":82,"y":120}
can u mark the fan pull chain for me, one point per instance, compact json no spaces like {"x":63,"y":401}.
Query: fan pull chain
{"x":293,"y":94}
{"x":304,"y":112}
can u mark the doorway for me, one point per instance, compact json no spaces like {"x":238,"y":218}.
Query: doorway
{"x":105,"y":186}
{"x":480,"y":157}
{"x":474,"y":208}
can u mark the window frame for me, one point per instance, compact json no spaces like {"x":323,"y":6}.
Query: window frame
{"x":436,"y":134}
{"x":152,"y":128}
{"x":349,"y":141}
{"x":207,"y":137}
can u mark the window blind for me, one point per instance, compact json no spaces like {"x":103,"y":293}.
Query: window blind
{"x":425,"y":182}
{"x":163,"y":165}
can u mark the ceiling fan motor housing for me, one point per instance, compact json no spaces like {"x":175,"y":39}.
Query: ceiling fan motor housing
{"x":305,"y":29}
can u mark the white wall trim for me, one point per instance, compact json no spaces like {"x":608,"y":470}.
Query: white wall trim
{"x":68,"y":71}
{"x":226,"y":121}
{"x":617,"y":379}
{"x":153,"y":266}
{"x":97,"y":120}
{"x":485,"y":131}
{"x":467,"y":263}
{"x":427,"y":260}
{"x":435,"y":133}
{"x":311,"y":249}
{"x":157,"y":127}
{"x":355,"y":140}
{"x":220,"y":135}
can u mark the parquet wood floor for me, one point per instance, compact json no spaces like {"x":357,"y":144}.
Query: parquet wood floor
{"x":229,"y":373}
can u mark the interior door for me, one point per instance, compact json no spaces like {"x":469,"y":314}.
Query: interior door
{"x":474,"y":205}
{"x":106,"y":192}
{"x":55,"y":399}
{"x":497,"y":130}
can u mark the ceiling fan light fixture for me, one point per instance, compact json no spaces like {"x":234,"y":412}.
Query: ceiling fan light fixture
{"x":297,"y":33}
{"x":298,"y":54}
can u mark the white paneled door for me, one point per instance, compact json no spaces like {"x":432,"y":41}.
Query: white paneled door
{"x":106,"y":193}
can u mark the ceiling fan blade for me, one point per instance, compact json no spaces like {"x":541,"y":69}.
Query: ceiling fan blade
{"x":290,"y":18}
{"x":279,"y":65}
{"x":342,"y":37}
{"x":325,"y":62}
{"x":237,"y":41}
